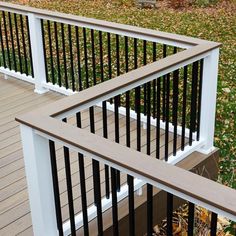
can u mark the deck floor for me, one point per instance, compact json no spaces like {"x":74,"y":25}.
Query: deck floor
{"x":17,"y":97}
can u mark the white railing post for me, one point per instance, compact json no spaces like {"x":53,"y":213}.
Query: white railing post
{"x":39,"y":180}
{"x":37,"y":53}
{"x":208,"y":102}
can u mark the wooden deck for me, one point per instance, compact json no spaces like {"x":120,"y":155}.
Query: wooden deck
{"x":17,"y":97}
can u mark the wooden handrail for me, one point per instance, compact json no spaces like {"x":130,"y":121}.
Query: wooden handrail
{"x":180,"y":182}
{"x":103,"y":25}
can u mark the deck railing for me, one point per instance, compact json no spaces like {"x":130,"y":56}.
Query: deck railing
{"x":160,"y":87}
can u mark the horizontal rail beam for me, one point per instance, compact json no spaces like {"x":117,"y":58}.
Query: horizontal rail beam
{"x":116,"y":28}
{"x":189,"y":186}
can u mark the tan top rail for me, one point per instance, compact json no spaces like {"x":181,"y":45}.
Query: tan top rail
{"x":102,"y":25}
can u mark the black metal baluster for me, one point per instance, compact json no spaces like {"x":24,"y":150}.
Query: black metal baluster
{"x":109,"y":55}
{"x":96,"y":179}
{"x":130,"y":179}
{"x":69,"y":188}
{"x":58,"y":55}
{"x":78,"y":58}
{"x":12,"y":41}
{"x":137,"y":99}
{"x":86,"y":58}
{"x":193,"y":101}
{"x":101,"y":56}
{"x":56,"y":186}
{"x":117,"y":136}
{"x":82,"y":183}
{"x":164,"y":87}
{"x":154,"y":82}
{"x":64,"y":55}
{"x":71,"y":58}
{"x":175,"y":108}
{"x":114,"y":201}
{"x":105,"y":135}
{"x":169,"y":214}
{"x":2,"y":46}
{"x":118,"y":63}
{"x":50,"y":51}
{"x":199,"y":99}
{"x":213,"y":224}
{"x":184,"y":107}
{"x":24,"y":44}
{"x":109,"y":59}
{"x":167,"y":116}
{"x":104,"y":114}
{"x":190,"y":219}
{"x":44,"y":50}
{"x":158,"y":117}
{"x":29,"y":46}
{"x":93,"y":58}
{"x":149,"y":187}
{"x":18,"y":42}
{"x":6,"y":38}
{"x":145,"y":85}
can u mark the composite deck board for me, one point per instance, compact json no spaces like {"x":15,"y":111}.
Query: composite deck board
{"x":17,"y":97}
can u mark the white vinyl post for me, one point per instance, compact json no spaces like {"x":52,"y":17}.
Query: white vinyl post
{"x":39,"y":180}
{"x":208,"y":102}
{"x":37,"y":53}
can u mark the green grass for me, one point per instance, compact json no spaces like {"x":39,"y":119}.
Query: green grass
{"x":216,"y":23}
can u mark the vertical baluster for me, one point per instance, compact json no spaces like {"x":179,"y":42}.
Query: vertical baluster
{"x":96,"y":179}
{"x":199,"y":99}
{"x":213,"y":224}
{"x":18,"y":42}
{"x":101,"y":56}
{"x":44,"y":50}
{"x":78,"y":58}
{"x":137,"y":99}
{"x":82,"y":183}
{"x":169,"y":214}
{"x":154,"y":58}
{"x":29,"y":46}
{"x":12,"y":41}
{"x":145,"y":86}
{"x":164,"y":87}
{"x":71,"y":58}
{"x":93,"y":58}
{"x":86,"y":58}
{"x":130,"y":179}
{"x":2,"y":46}
{"x":117,"y":136}
{"x":190,"y":219}
{"x":109,"y":55}
{"x":24,"y":44}
{"x":184,"y":107}
{"x":69,"y":188}
{"x":50,"y":50}
{"x":6,"y":38}
{"x":109,"y":59}
{"x":64,"y":55}
{"x":175,"y":108}
{"x":58,"y":55}
{"x":149,"y":187}
{"x":193,"y":101}
{"x":158,"y":117}
{"x":167,"y":117}
{"x":56,"y":186}
{"x":114,"y":201}
{"x":117,"y":104}
{"x":104,"y":113}
{"x":105,"y":135}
